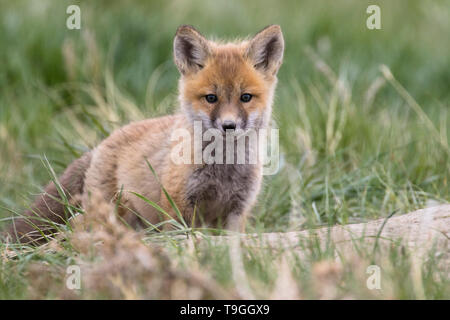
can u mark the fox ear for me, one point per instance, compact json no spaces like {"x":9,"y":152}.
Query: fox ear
{"x":190,"y":49}
{"x":266,"y":49}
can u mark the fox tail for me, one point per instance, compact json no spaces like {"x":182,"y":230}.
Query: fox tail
{"x":47,"y":211}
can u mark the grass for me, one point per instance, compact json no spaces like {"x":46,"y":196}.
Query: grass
{"x":364,"y":127}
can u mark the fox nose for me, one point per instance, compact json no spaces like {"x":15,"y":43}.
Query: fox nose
{"x":228,"y":124}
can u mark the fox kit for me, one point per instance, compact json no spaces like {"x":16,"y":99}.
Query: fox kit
{"x":226,"y":87}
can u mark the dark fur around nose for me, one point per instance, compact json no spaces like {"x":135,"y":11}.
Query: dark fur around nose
{"x":231,"y":125}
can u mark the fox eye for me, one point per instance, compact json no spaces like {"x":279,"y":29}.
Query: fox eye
{"x":211,"y":98}
{"x":246,"y":97}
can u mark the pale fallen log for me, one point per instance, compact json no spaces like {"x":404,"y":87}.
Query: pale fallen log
{"x":420,"y":230}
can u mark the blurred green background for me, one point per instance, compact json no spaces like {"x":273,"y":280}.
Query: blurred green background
{"x":353,"y":146}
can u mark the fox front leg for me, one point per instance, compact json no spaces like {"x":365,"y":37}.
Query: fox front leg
{"x":236,"y":221}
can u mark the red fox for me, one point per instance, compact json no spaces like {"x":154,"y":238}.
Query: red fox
{"x":225,"y":86}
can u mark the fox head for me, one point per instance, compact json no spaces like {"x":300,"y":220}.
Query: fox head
{"x":228,"y":86}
